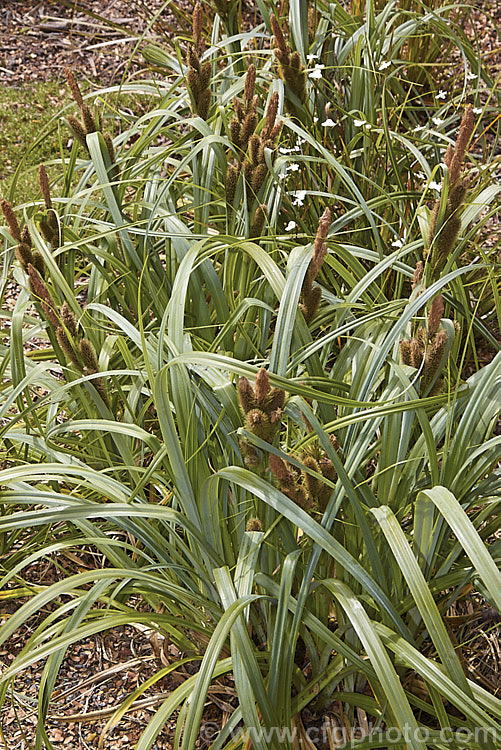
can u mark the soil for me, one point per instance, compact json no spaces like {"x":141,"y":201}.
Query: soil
{"x":39,"y":38}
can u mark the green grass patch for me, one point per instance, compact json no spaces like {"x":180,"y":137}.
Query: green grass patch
{"x":24,"y":115}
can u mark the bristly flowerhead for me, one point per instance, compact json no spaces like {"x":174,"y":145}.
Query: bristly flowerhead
{"x":74,"y":88}
{"x":88,"y":354}
{"x":435,"y":315}
{"x":67,"y":347}
{"x":10,"y":218}
{"x":466,"y":129}
{"x":39,"y":289}
{"x":43,"y":181}
{"x":259,"y":220}
{"x":254,"y":524}
{"x":197,"y":28}
{"x":246,"y":395}
{"x":68,"y":319}
{"x":26,"y":236}
{"x":261,"y":387}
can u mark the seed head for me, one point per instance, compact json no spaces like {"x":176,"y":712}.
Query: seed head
{"x":278,"y":37}
{"x":258,"y":223}
{"x":286,"y":478}
{"x":88,"y":120}
{"x":109,"y":145}
{"x":67,"y":347}
{"x":77,"y":129}
{"x":416,"y":352}
{"x":43,"y":181}
{"x":246,"y":395}
{"x":465,"y":133}
{"x":247,"y":128}
{"x":261,"y":387}
{"x":39,"y":263}
{"x":68,"y":319}
{"x":254,"y":524}
{"x":24,"y":255}
{"x":88,"y":354}
{"x":10,"y":218}
{"x":26,"y":236}
{"x":74,"y":88}
{"x":197,"y":27}
{"x":39,"y":289}
{"x":405,"y":352}
{"x":418,"y":274}
{"x":271,"y":114}
{"x":203,"y":104}
{"x":232,"y":175}
{"x":258,"y":177}
{"x":254,"y":143}
{"x":250,"y":84}
{"x":435,"y":315}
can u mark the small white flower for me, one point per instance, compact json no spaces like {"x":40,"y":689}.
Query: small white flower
{"x":477,"y":110}
{"x":293,"y":167}
{"x":283,"y":150}
{"x":437,"y":121}
{"x":398,"y":243}
{"x":442,"y":94}
{"x":299,"y":197}
{"x":282,"y":176}
{"x":296,"y":148}
{"x":317,"y":71}
{"x":367,"y":126}
{"x":421,"y":175}
{"x":328,"y":123}
{"x":385,"y":64}
{"x":359,"y":123}
{"x":418,"y":128}
{"x":290,"y":226}
{"x":434,"y":186}
{"x":471,"y":76}
{"x":312,"y":57}
{"x":315,"y":120}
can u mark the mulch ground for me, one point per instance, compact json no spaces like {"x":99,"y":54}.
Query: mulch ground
{"x":38,"y":39}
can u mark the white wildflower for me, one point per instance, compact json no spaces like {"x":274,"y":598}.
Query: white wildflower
{"x":437,"y":121}
{"x":434,"y":186}
{"x":317,"y":71}
{"x":385,"y":64}
{"x":471,"y":76}
{"x":477,"y":110}
{"x":367,"y":126}
{"x":418,"y":128}
{"x":328,"y":123}
{"x":311,"y":57}
{"x":293,"y":167}
{"x":398,"y":243}
{"x":359,"y":123}
{"x":290,"y":226}
{"x":421,"y":175}
{"x":299,"y":197}
{"x":315,"y":120}
{"x":283,"y":150}
{"x":442,"y":94}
